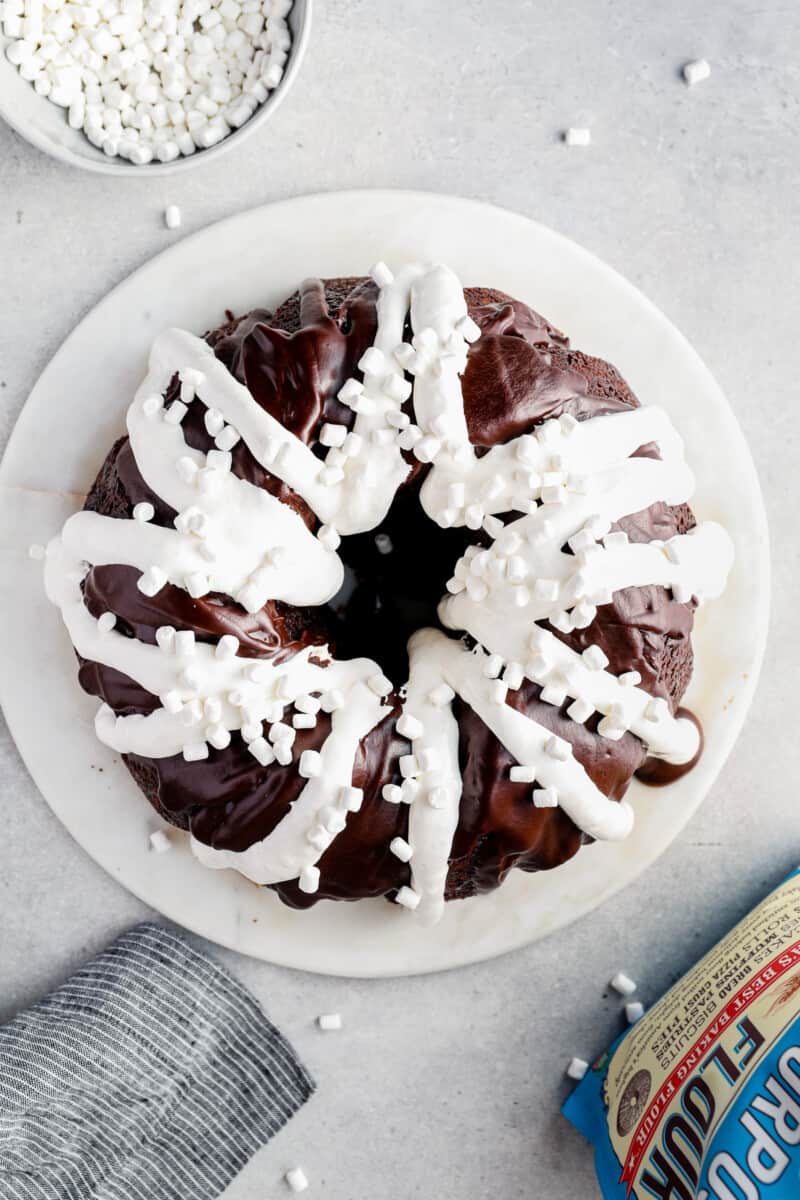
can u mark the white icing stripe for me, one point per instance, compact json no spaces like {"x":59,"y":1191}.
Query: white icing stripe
{"x":552,"y":662}
{"x":298,"y":570}
{"x":501,"y":480}
{"x":524,"y":738}
{"x":231,"y":536}
{"x":433,"y":816}
{"x":571,"y":481}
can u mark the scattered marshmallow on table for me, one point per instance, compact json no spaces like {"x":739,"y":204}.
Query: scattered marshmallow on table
{"x":623,"y":984}
{"x":296,"y":1179}
{"x":577,"y":1068}
{"x":578,"y":137}
{"x":696,"y":71}
{"x":172,"y":216}
{"x":151,"y":80}
{"x":330,"y":1022}
{"x":634,"y":1012}
{"x":159,"y":841}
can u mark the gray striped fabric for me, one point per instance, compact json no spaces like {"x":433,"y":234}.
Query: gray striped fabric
{"x":150,"y":1075}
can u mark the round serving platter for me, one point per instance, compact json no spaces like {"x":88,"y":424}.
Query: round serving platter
{"x":75,"y":412}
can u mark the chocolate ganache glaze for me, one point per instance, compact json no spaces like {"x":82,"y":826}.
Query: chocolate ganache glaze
{"x":520,"y":372}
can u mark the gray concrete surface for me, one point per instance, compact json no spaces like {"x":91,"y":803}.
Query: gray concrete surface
{"x":449,"y":1086}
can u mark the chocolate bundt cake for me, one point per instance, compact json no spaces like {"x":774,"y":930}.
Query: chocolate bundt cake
{"x":389,"y":591}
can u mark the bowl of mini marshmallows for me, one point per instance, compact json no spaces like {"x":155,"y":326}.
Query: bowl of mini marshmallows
{"x":131,"y":86}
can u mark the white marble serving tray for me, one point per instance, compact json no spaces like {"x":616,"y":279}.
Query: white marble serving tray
{"x":75,"y":412}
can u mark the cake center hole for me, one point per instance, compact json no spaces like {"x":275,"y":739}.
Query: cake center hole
{"x":395,"y":576}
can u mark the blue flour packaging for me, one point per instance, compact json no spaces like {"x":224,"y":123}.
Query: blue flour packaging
{"x":701,"y":1099}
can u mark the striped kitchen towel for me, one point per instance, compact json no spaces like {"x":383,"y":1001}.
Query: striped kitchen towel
{"x":150,"y":1075}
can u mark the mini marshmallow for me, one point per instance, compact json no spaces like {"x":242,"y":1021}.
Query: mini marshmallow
{"x":330,"y":1022}
{"x":657,"y":709}
{"x":333,"y":435}
{"x":353,"y":445}
{"x":473,"y":514}
{"x":279,"y":731}
{"x":409,"y":437}
{"x":401,"y":849}
{"x":469,"y":329}
{"x":408,"y":765}
{"x":151,"y":581}
{"x":176,"y":412}
{"x":613,"y":725}
{"x":545,"y":797}
{"x":187,"y":468}
{"x":575,"y":136}
{"x":379,"y":684}
{"x":427,"y":448}
{"x":329,"y":537}
{"x":634,"y":1011}
{"x":696,"y":71}
{"x":623,"y":984}
{"x":408,"y":898}
{"x":332,"y":820}
{"x":580,"y":710}
{"x":106,"y":622}
{"x":382,"y":275}
{"x":165,"y":637}
{"x":197,"y":584}
{"x":219,"y":737}
{"x":391,"y":793}
{"x":513,"y":676}
{"x":227,"y":439}
{"x":409,"y":727}
{"x":546,"y":590}
{"x":213,"y":421}
{"x":398,"y":389}
{"x":554,"y":494}
{"x":143,"y":511}
{"x":372,"y":361}
{"x":297,"y":1178}
{"x":309,"y":883}
{"x":184,"y":643}
{"x":227,"y":647}
{"x":577,"y":1068}
{"x":304,"y":721}
{"x":493,"y":666}
{"x":351,"y":798}
{"x":594,"y":658}
{"x":520,"y":773}
{"x":310,"y":764}
{"x":331,"y":700}
{"x":172,"y":216}
{"x":160,"y":842}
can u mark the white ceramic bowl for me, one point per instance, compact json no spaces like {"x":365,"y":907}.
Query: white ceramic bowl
{"x":45,"y":125}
